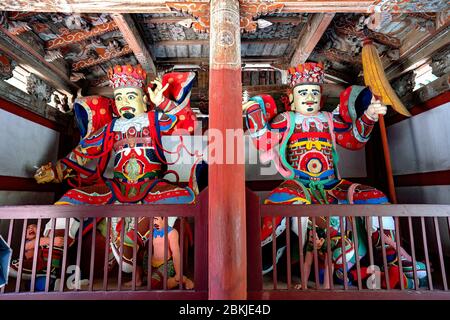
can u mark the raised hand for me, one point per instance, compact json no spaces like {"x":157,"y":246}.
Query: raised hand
{"x":375,"y":108}
{"x":156,"y":95}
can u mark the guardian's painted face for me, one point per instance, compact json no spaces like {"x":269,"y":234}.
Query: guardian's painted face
{"x":306,"y":99}
{"x":130,"y":102}
{"x":158,"y":223}
{"x":31,"y":232}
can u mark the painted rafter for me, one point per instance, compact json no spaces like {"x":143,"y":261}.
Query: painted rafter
{"x":18,"y":15}
{"x":131,"y":35}
{"x":106,"y":56}
{"x":307,"y":41}
{"x":81,"y":35}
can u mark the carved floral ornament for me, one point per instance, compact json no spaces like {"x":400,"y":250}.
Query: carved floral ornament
{"x":39,"y":89}
{"x":248,"y":12}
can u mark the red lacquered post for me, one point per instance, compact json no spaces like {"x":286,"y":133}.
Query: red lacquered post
{"x":227,"y":254}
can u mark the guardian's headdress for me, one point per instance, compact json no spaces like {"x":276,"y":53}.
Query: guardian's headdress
{"x":127,"y":76}
{"x":306,"y":73}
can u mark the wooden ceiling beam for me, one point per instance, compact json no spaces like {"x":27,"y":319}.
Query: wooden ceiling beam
{"x":158,"y":6}
{"x":316,"y":26}
{"x":316,"y":6}
{"x":25,"y":54}
{"x":131,"y":35}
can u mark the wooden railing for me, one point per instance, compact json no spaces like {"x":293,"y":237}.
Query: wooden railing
{"x":104,"y":287}
{"x":418,"y":230}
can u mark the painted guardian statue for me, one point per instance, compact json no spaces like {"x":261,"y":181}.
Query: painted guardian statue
{"x":302,"y":144}
{"x":133,"y":138}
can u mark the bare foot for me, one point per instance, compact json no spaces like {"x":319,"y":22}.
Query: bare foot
{"x":139,"y":281}
{"x":188,"y":284}
{"x":129,"y":284}
{"x":299,"y":287}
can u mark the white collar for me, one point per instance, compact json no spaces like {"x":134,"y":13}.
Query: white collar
{"x":139,"y":122}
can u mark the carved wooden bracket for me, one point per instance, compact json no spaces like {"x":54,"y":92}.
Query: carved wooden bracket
{"x":250,"y":11}
{"x":350,"y":28}
{"x":200,"y":13}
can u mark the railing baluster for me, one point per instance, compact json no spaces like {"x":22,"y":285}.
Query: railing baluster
{"x":315,"y":257}
{"x":383,"y":250}
{"x":441,"y":255}
{"x":92,"y":264}
{"x":50,"y":254}
{"x":344,"y":258}
{"x":21,"y":255}
{"x":122,"y":241}
{"x":106,"y":258}
{"x":10,"y":232}
{"x":274,"y":254}
{"x":300,"y":248}
{"x":425,"y":248}
{"x":35,"y":255}
{"x":64,"y":261}
{"x":329,"y":257}
{"x":79,"y":244}
{"x":355,"y":237}
{"x":150,"y":253}
{"x":369,"y":221}
{"x":399,"y":253}
{"x":288,"y":248}
{"x":180,"y":285}
{"x":413,"y":253}
{"x":133,"y":276}
{"x":166,"y":251}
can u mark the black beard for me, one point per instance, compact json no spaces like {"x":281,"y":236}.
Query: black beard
{"x":128,"y":115}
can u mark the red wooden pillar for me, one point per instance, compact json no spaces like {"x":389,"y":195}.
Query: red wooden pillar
{"x":226,"y":216}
